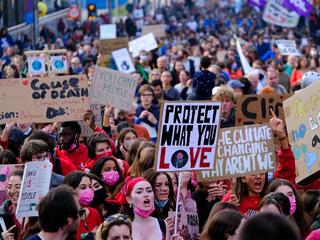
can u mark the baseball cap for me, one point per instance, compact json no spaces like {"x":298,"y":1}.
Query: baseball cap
{"x":235,"y":84}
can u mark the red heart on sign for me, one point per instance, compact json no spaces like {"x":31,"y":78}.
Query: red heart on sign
{"x":25,"y":82}
{"x":239,"y":120}
{"x":281,"y":97}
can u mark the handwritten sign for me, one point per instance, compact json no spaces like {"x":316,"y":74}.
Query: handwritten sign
{"x":144,"y":43}
{"x":62,"y":98}
{"x":287,"y":47}
{"x":108,"y":31}
{"x":158,"y":30}
{"x":276,"y":14}
{"x":35,"y":185}
{"x":106,"y":46}
{"x":302,"y":112}
{"x":247,"y":106}
{"x":59,"y":64}
{"x":187,"y":135}
{"x":123,"y":60}
{"x":109,"y":86}
{"x":242,"y":151}
{"x":5,"y":172}
{"x":188,"y":224}
{"x":36,"y":65}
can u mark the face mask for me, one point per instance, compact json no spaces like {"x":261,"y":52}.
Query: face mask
{"x":143,"y":213}
{"x":105,"y":154}
{"x":160,"y":203}
{"x":99,"y":197}
{"x":292,"y":200}
{"x":110,"y":178}
{"x":127,"y":144}
{"x":86,"y":196}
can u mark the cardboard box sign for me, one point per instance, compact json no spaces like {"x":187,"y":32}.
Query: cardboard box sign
{"x":41,"y":100}
{"x":302,"y":112}
{"x":158,"y":30}
{"x":188,"y":224}
{"x":242,"y":151}
{"x":187,"y":135}
{"x":106,"y":46}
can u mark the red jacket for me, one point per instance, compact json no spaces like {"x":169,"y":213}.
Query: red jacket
{"x":77,"y":157}
{"x":91,"y":222}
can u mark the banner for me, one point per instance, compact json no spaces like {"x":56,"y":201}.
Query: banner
{"x":158,"y":30}
{"x":259,"y":3}
{"x":5,"y":172}
{"x":106,"y":46}
{"x":123,"y":60}
{"x":187,"y":135}
{"x":188,"y":224}
{"x":242,"y":151}
{"x":302,"y":7}
{"x":276,"y":14}
{"x":108,"y":31}
{"x":36,"y":65}
{"x":302,"y":112}
{"x":244,"y":62}
{"x":114,"y":87}
{"x":287,"y":47}
{"x":35,"y":185}
{"x":144,"y":43}
{"x":59,"y":64}
{"x":40,"y":100}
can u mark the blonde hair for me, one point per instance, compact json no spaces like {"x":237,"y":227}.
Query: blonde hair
{"x":224,"y":92}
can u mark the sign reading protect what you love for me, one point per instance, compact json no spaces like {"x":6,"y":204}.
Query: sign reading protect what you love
{"x":53,"y":99}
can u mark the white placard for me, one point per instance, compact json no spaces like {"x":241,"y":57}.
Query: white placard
{"x":138,"y":13}
{"x":108,"y":31}
{"x":35,"y":185}
{"x":287,"y":47}
{"x":59,"y":64}
{"x":36,"y":65}
{"x":146,"y":43}
{"x":123,"y":60}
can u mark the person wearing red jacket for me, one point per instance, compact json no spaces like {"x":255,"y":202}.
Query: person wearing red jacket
{"x":69,"y":147}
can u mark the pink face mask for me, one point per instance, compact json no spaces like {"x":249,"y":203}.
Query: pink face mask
{"x":292,"y":200}
{"x":86,"y":196}
{"x":110,"y":178}
{"x":143,"y":213}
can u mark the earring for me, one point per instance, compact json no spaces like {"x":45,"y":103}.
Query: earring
{"x":130,"y":205}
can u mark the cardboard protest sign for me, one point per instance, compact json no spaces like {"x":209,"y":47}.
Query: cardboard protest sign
{"x":187,"y":135}
{"x":123,"y":60}
{"x":5,"y":172}
{"x":302,"y":7}
{"x":59,"y":64}
{"x":40,"y":100}
{"x":36,"y":65}
{"x":109,"y":86}
{"x":106,"y":46}
{"x":188,"y":224}
{"x":302,"y":112}
{"x":35,"y":185}
{"x":247,"y":106}
{"x":242,"y":151}
{"x":144,"y":43}
{"x":275,"y":13}
{"x":287,"y":47}
{"x":108,"y":31}
{"x":158,"y":30}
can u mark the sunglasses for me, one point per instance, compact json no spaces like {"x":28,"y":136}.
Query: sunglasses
{"x":120,"y":217}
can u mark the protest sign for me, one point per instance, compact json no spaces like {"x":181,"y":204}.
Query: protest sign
{"x":247,"y":106}
{"x":302,"y":7}
{"x":287,"y":47}
{"x":258,"y":3}
{"x":40,"y":100}
{"x":144,"y":43}
{"x":59,"y":64}
{"x":35,"y":185}
{"x":5,"y":172}
{"x":158,"y":30}
{"x":36,"y":65}
{"x":188,"y":224}
{"x":123,"y":60}
{"x":242,"y":151}
{"x":106,"y":46}
{"x":108,"y":31}
{"x":187,"y":135}
{"x":138,"y":13}
{"x":276,"y":14}
{"x":302,"y":112}
{"x":114,"y":87}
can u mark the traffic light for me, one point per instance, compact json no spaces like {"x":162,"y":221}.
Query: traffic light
{"x":92,"y":11}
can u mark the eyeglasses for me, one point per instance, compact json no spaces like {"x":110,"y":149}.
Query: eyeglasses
{"x":39,"y":157}
{"x":120,"y":217}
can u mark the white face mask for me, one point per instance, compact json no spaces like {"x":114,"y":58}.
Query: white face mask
{"x":127,"y":144}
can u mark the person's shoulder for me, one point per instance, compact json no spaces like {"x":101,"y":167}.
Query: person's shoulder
{"x":34,"y":237}
{"x":82,"y":148}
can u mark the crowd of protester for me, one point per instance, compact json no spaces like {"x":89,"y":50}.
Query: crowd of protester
{"x":104,"y":186}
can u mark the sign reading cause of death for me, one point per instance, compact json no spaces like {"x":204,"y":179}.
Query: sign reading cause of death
{"x":242,"y":151}
{"x":187,"y":135}
{"x":53,"y":99}
{"x":35,"y":185}
{"x":109,"y":86}
{"x":302,"y":112}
